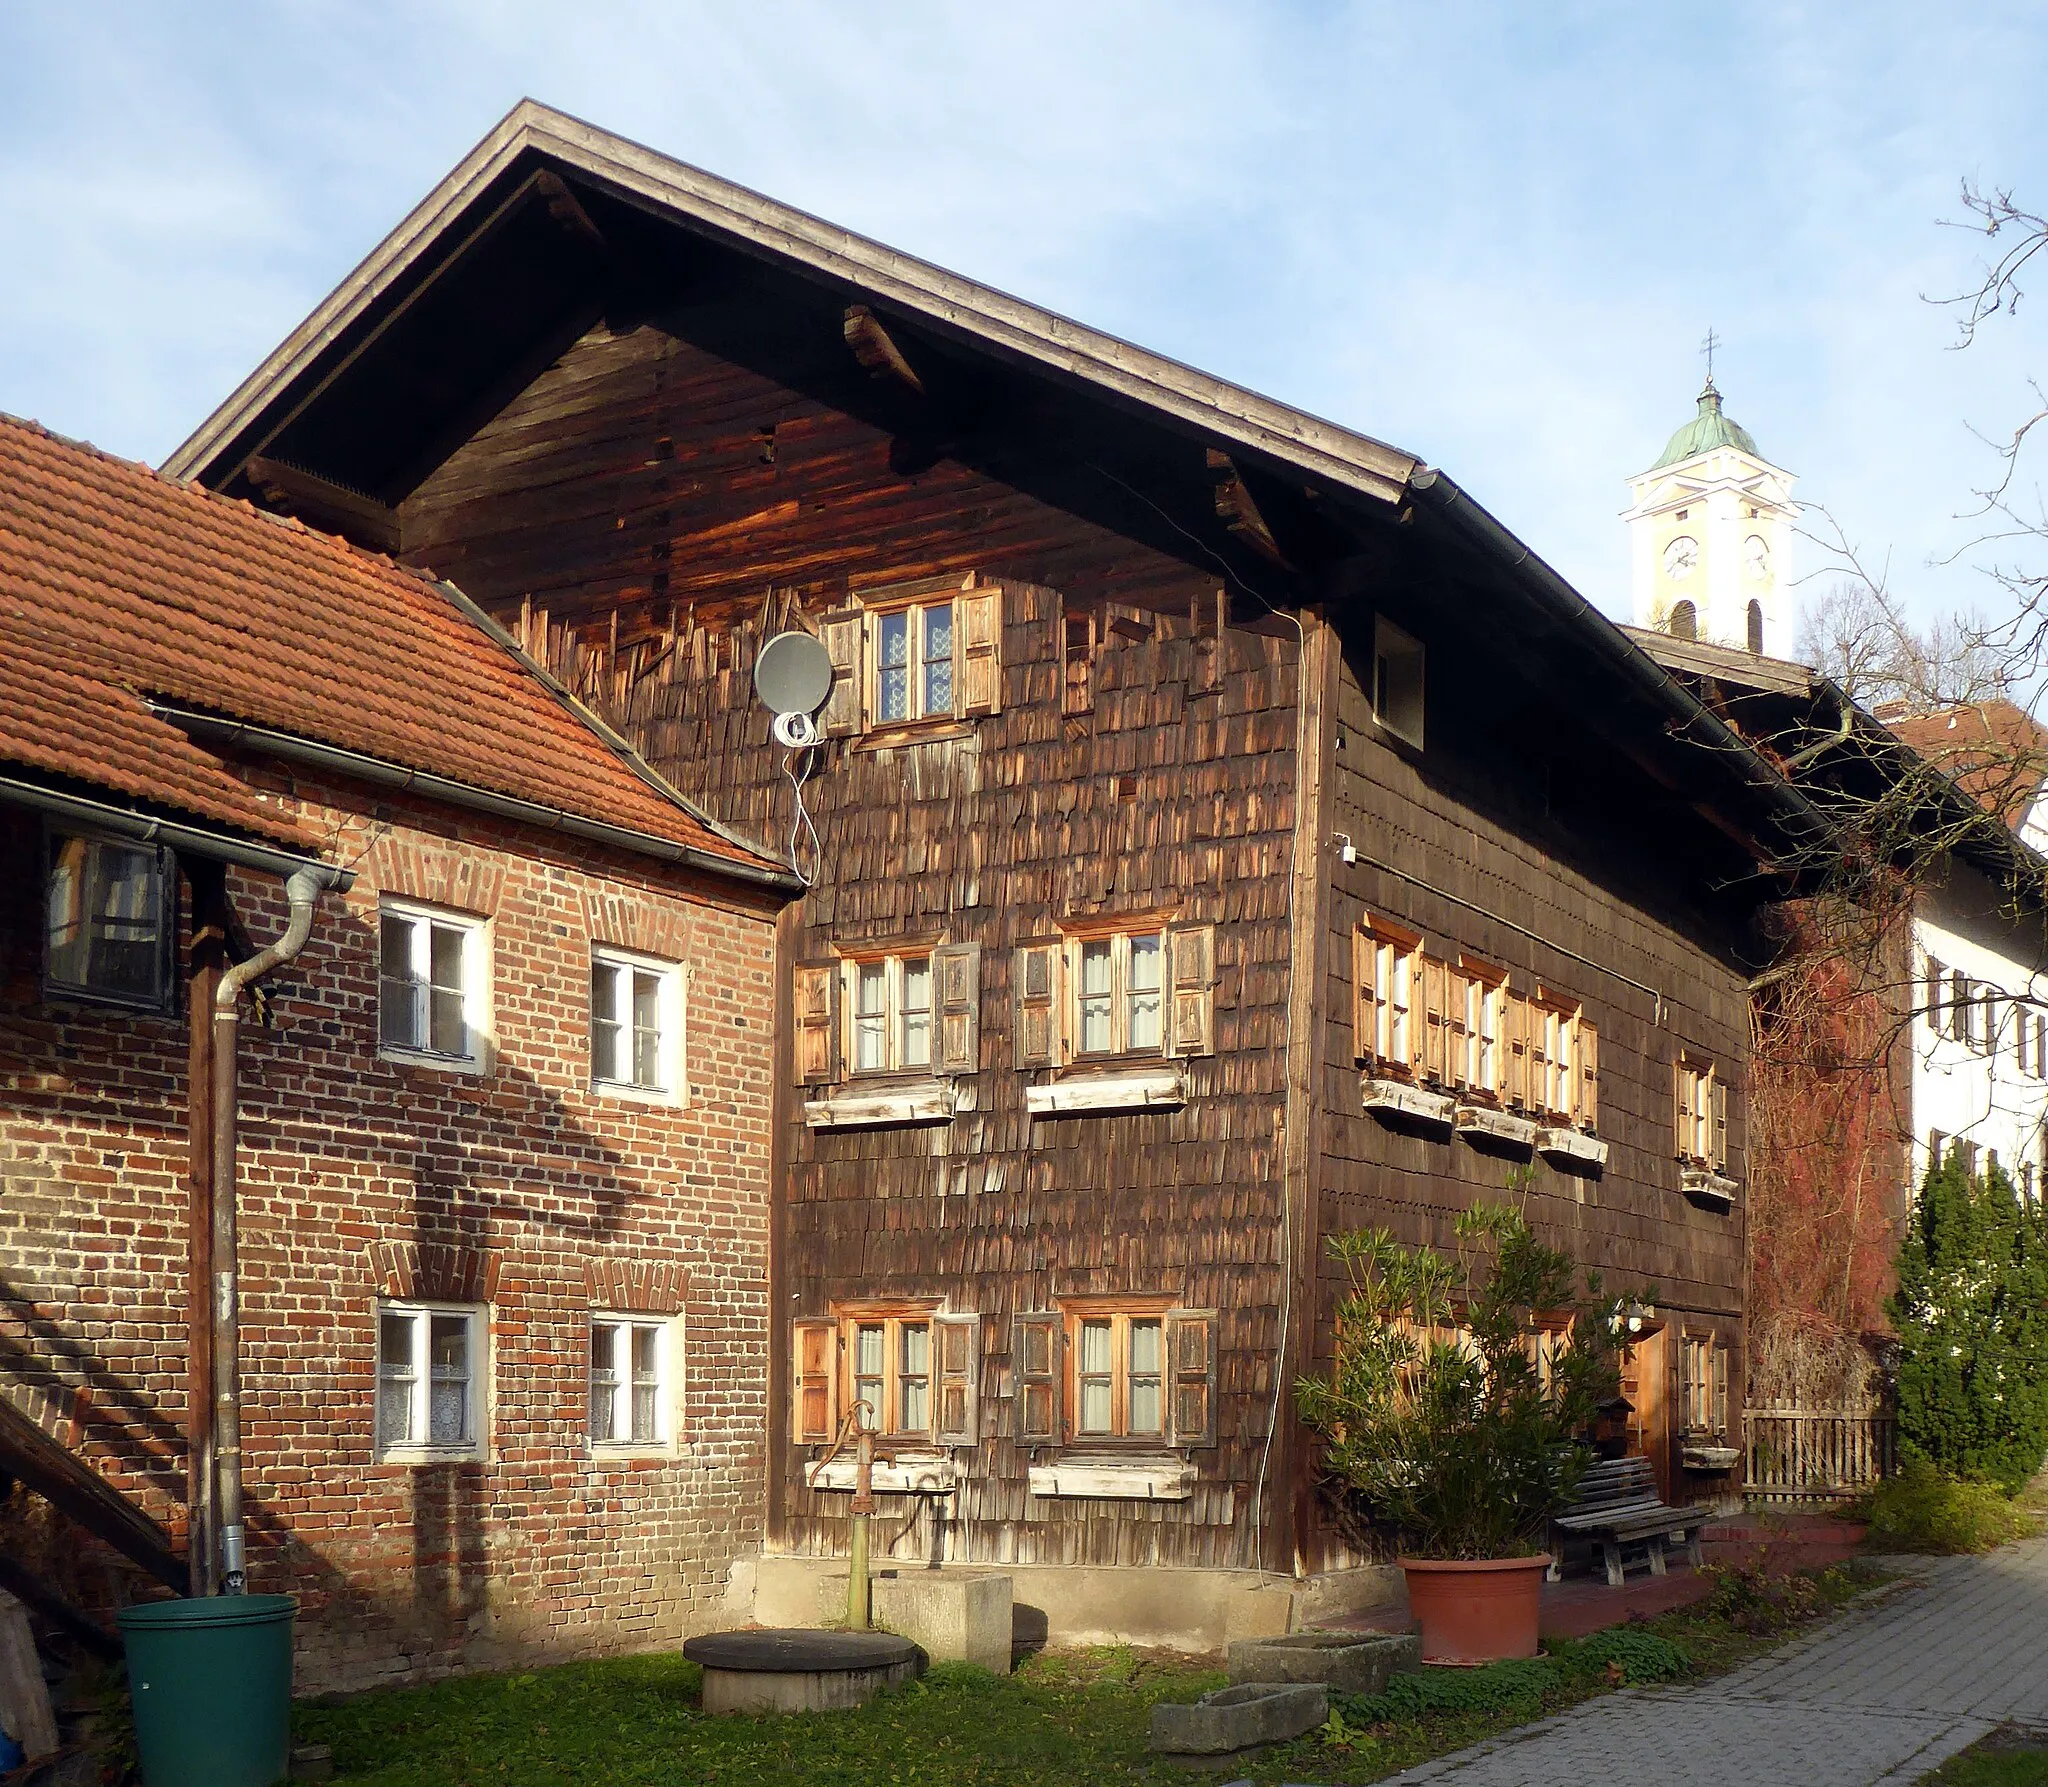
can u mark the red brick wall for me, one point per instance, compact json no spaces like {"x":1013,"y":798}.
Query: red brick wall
{"x":358,"y":1172}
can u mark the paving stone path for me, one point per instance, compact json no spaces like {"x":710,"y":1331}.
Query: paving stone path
{"x":1877,"y":1698}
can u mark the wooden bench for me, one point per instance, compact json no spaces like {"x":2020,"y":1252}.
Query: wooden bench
{"x":1617,"y":1510}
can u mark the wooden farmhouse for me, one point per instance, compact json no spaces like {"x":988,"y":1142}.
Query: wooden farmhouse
{"x":1224,"y":833}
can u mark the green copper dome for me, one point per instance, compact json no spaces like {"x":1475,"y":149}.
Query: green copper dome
{"x":1706,"y":431}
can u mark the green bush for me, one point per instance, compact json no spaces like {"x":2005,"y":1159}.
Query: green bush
{"x":1972,"y":1315}
{"x":1512,"y":1687}
{"x":1639,"y":1656}
{"x":1922,"y":1510}
{"x":1458,"y":1443}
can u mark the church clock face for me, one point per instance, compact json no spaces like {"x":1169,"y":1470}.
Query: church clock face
{"x":1756,"y":558}
{"x":1681,"y":556}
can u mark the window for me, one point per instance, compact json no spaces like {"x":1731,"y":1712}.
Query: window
{"x":1386,"y":963}
{"x":1703,"y":1384}
{"x":1103,"y":994}
{"x":630,"y":1378}
{"x":1554,"y":1056}
{"x":912,"y":1371}
{"x":636,"y":1024}
{"x":1118,"y":986}
{"x":1077,"y":657}
{"x":430,"y":982}
{"x":1685,"y":618}
{"x":890,"y":1011}
{"x":110,"y":930}
{"x":1961,"y":1009}
{"x":1756,"y":624}
{"x":1397,"y":681}
{"x":923,"y":652}
{"x":1102,"y":1373}
{"x":1702,"y":1115}
{"x":1485,"y":993}
{"x":430,"y":1380}
{"x":1937,"y":997}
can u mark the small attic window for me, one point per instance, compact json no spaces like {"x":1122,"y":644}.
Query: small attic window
{"x":1397,"y":681}
{"x":1683,"y":513}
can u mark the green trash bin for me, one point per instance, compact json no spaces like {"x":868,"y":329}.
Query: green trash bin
{"x":211,"y":1682}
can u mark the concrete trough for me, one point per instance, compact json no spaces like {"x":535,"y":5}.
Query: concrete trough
{"x":1246,"y":1717}
{"x":1344,"y":1662}
{"x":799,"y":1670}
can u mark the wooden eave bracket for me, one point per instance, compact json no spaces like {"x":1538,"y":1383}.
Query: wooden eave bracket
{"x":900,"y":1107}
{"x":1103,"y":1094}
{"x":1134,"y":1480}
{"x":875,"y":348}
{"x":1237,"y":510}
{"x":1704,"y":1185}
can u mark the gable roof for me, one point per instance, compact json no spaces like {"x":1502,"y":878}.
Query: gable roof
{"x":127,"y":597}
{"x":552,"y":225}
{"x":1994,"y":751}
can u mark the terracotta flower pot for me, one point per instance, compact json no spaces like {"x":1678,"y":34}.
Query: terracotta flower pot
{"x":1475,"y":1610}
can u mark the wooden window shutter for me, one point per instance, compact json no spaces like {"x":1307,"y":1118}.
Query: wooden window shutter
{"x":958,"y":1340}
{"x":1587,"y":1110}
{"x":1457,"y":1028}
{"x":1681,"y":1109}
{"x":957,"y":969}
{"x":1717,"y":1396}
{"x":1077,"y":660}
{"x":1367,"y":995}
{"x":1037,"y":968}
{"x":1037,"y":1348}
{"x":842,"y":633}
{"x":1719,"y":1090}
{"x":978,"y":651}
{"x":1937,"y":980}
{"x":1536,"y":1030}
{"x":1191,"y":1352}
{"x":1191,"y":959}
{"x":1436,"y":1016}
{"x":815,"y":1418}
{"x":1514,"y":1014}
{"x":816,"y":989}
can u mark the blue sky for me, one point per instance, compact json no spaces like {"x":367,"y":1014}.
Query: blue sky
{"x":1492,"y":234}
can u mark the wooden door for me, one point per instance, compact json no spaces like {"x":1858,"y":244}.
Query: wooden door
{"x":1645,"y":1381}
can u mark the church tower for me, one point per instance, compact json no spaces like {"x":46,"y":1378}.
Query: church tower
{"x":1710,"y":538}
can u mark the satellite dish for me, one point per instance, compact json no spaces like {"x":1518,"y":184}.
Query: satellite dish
{"x":793,"y":674}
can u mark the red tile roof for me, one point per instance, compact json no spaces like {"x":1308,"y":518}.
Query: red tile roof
{"x":1995,"y":751}
{"x":117,"y":584}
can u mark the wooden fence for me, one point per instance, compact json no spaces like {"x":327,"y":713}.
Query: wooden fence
{"x":1816,"y":1455}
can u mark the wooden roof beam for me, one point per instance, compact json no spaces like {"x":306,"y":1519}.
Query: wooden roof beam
{"x":875,"y":348}
{"x":1238,"y":511}
{"x":333,"y":508}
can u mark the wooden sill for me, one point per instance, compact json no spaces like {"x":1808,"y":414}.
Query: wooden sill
{"x":1484,"y":1123}
{"x":1160,"y":1087}
{"x":1704,"y":1185}
{"x":1398,"y":1098}
{"x":905,"y":1104}
{"x":913,"y":732}
{"x":1149,"y":1479}
{"x":921,"y":1473}
{"x":1560,"y":1142}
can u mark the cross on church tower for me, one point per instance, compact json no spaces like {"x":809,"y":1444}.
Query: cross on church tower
{"x":1707,"y":347}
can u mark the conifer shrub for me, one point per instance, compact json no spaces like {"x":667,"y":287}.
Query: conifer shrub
{"x":1920,"y":1510}
{"x":1971,"y":1311}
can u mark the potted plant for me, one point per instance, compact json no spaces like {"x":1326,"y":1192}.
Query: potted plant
{"x":1459,"y":1389}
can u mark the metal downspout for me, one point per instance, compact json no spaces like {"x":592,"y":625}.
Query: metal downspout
{"x":302,"y":891}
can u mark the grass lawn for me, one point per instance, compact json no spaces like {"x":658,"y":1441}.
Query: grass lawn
{"x":2009,"y":1757}
{"x":1064,"y":1719}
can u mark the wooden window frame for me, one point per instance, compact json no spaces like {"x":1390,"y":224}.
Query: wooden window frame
{"x":830,"y":1383}
{"x":424,"y":920}
{"x":1188,"y":1340}
{"x":672,"y":996}
{"x":895,"y":965}
{"x":915,"y":611}
{"x":894,"y":1323}
{"x":1703,"y":1362}
{"x":1387,"y":962}
{"x":852,"y":638}
{"x":1556,"y":1017}
{"x":1121,"y":994}
{"x":1118,"y":1432}
{"x":1700,"y":1113}
{"x":667,"y":1378}
{"x":1484,"y":1027}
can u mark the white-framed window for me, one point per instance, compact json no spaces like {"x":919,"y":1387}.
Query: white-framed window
{"x":633,"y":1377}
{"x":636,"y":1024}
{"x":1554,"y":1051}
{"x":433,"y":976}
{"x":1397,"y":683}
{"x":912,"y":663}
{"x":1119,"y":987}
{"x":889,"y":1012}
{"x":1701,"y":1114}
{"x":1485,"y":990}
{"x":110,"y":923}
{"x":432,"y":1376}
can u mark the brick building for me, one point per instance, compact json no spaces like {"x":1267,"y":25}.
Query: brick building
{"x":504,"y":1123}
